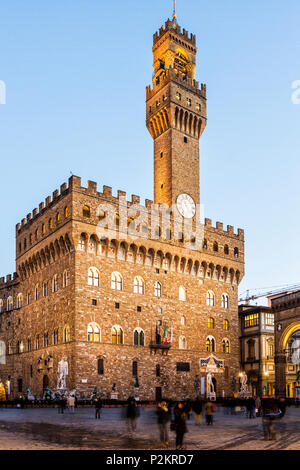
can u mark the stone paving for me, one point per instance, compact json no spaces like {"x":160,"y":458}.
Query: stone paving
{"x":31,"y":429}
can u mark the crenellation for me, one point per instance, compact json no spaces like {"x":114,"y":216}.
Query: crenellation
{"x":63,"y":189}
{"x":169,"y":26}
{"x":55,"y":195}
{"x":135,"y":199}
{"x":34,"y":213}
{"x":28,"y":218}
{"x":41,"y":207}
{"x":92,"y":187}
{"x":107,"y":191}
{"x":75,"y":182}
{"x":48,"y":201}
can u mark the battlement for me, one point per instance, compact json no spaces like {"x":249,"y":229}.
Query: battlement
{"x":180,"y":79}
{"x":9,"y":280}
{"x":169,"y":26}
{"x":107,"y":195}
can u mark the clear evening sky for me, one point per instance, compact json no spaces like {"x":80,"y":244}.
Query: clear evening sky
{"x":75,"y":74}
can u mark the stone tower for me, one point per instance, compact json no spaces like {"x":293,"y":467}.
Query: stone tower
{"x":176,"y":115}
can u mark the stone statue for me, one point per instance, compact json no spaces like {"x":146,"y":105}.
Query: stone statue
{"x":244,"y":380}
{"x":63,"y":371}
{"x":210,"y":384}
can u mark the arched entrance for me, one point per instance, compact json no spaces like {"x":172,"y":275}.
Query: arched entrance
{"x":45,"y":382}
{"x":288,"y":362}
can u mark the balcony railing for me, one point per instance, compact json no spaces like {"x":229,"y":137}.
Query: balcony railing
{"x":163,"y":347}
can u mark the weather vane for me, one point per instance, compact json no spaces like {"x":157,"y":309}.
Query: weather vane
{"x":174,"y":10}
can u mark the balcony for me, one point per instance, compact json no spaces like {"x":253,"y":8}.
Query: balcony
{"x":163,"y":347}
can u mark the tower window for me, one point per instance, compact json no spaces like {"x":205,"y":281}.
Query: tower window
{"x":161,"y":154}
{"x":189,"y":101}
{"x":185,"y":140}
{"x":178,"y":96}
{"x":198,"y":107}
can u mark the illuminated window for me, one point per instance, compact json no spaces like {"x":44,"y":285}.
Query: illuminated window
{"x":226,"y":325}
{"x":94,"y":333}
{"x":9,"y":347}
{"x":251,"y":320}
{"x":139,"y":285}
{"x":210,"y":298}
{"x":20,"y":301}
{"x":117,"y":335}
{"x":178,"y":96}
{"x":225,"y":346}
{"x":210,"y":344}
{"x":10,"y":304}
{"x":93,"y":277}
{"x":66,"y":212}
{"x":198,"y":106}
{"x":269,"y":319}
{"x":36,"y":234}
{"x":82,"y":243}
{"x":116,"y":281}
{"x":86,"y":212}
{"x":189,"y":101}
{"x":1,"y":306}
{"x":58,"y":218}
{"x":211,"y":323}
{"x":43,"y":229}
{"x":50,"y":224}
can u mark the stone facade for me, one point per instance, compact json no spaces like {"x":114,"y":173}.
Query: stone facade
{"x":182,"y":302}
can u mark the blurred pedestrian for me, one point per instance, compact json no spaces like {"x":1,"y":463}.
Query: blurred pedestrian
{"x":131,"y":414}
{"x":163,"y":418}
{"x":209,"y":412}
{"x":180,"y":425}
{"x":71,"y":403}
{"x":62,"y":404}
{"x":98,"y":407}
{"x":270,"y":412}
{"x":197,"y":409}
{"x":188,"y":408}
{"x":258,"y":405}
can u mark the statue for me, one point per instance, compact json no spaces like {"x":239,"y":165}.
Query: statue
{"x":211,"y":388}
{"x":63,"y":371}
{"x":244,"y":380}
{"x":197,"y":385}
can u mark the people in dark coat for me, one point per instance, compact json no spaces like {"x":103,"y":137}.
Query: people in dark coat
{"x":98,"y":406}
{"x":62,"y":404}
{"x":131,"y":414}
{"x":180,"y":425}
{"x":197,"y":409}
{"x":163,"y":418}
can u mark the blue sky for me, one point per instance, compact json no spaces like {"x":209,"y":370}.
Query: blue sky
{"x":76,"y":72}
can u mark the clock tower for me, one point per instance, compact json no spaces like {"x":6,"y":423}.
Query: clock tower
{"x":176,"y":118}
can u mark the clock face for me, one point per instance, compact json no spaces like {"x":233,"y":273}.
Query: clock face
{"x":186,"y":206}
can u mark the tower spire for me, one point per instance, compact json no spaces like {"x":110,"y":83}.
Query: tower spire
{"x":174,"y":14}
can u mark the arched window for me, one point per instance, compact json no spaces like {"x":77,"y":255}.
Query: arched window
{"x":43,"y":229}
{"x":28,"y":345}
{"x":204,"y":244}
{"x":1,"y":306}
{"x":236,"y":252}
{"x":10,"y":304}
{"x":93,"y":277}
{"x":211,"y":323}
{"x":117,"y":336}
{"x":37,"y":342}
{"x":82,"y":243}
{"x":45,"y":340}
{"x":66,"y":278}
{"x":20,"y":301}
{"x":66,"y":212}
{"x":216,"y":247}
{"x":182,"y":342}
{"x":225,"y":346}
{"x":225,"y":301}
{"x":139,"y":285}
{"x":210,"y":344}
{"x":157,"y":289}
{"x":210,"y":298}
{"x":55,"y":336}
{"x":100,"y":366}
{"x":36,"y":234}
{"x":57,"y":218}
{"x":86,"y":212}
{"x":226,"y":250}
{"x":92,"y":246}
{"x":55,"y":283}
{"x":116,"y":281}
{"x":36,"y":292}
{"x":134,"y":368}
{"x":45,"y":289}
{"x":10,"y":349}
{"x":182,"y":294}
{"x":226,"y":325}
{"x":67,"y":334}
{"x":94,"y":333}
{"x":20,"y":347}
{"x":138,"y":337}
{"x":50,"y":224}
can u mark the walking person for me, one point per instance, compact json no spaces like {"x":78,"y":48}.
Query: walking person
{"x":197,"y":409}
{"x":180,"y":425}
{"x":71,"y":403}
{"x":131,"y":414}
{"x":188,"y":408}
{"x":270,"y":412}
{"x":163,"y":418}
{"x":62,"y":404}
{"x":209,"y":412}
{"x":98,"y":406}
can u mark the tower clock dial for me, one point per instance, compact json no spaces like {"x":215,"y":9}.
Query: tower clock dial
{"x":186,"y":206}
